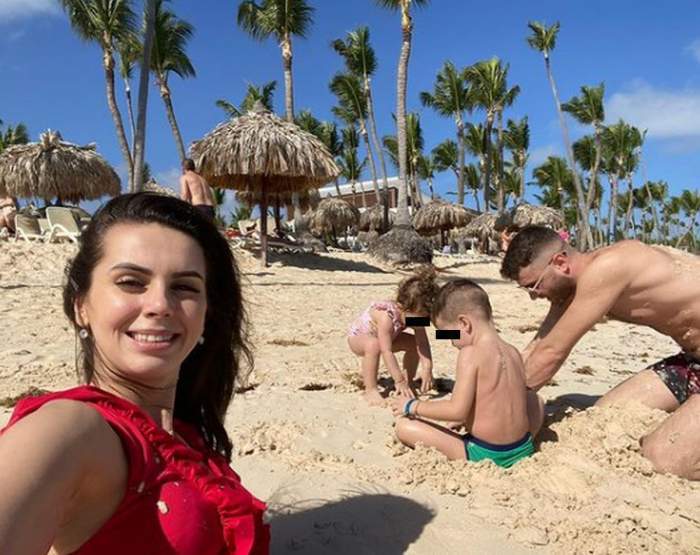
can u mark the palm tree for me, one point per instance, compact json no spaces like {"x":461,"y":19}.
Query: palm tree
{"x":108,"y":23}
{"x":350,"y":166}
{"x":488,"y":79}
{"x":473,"y":182}
{"x":544,"y":39}
{"x":13,"y":135}
{"x":427,"y":166}
{"x":254,"y":93}
{"x":129,"y":53}
{"x":352,"y":108}
{"x":690,"y":204}
{"x":360,"y":60}
{"x":169,"y":56}
{"x":451,"y":97}
{"x":555,"y":177}
{"x":281,"y":19}
{"x":475,"y":142}
{"x":517,"y":140}
{"x":404,"y":6}
{"x":621,"y":143}
{"x":414,"y":144}
{"x":140,"y":137}
{"x":589,"y":109}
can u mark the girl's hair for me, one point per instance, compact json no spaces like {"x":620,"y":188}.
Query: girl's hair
{"x":208,"y":375}
{"x":417,"y":292}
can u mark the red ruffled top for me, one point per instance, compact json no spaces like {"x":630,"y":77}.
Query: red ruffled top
{"x":179,"y":500}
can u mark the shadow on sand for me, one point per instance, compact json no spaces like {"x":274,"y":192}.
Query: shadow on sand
{"x":327,"y":263}
{"x":367,"y":523}
{"x":558,"y":409}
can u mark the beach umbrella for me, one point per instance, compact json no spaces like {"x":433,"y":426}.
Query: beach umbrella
{"x":529,"y":214}
{"x":153,"y":187}
{"x":55,"y":168}
{"x":333,"y":214}
{"x":372,"y":219}
{"x":259,"y":152}
{"x":440,"y":216}
{"x":482,"y":228}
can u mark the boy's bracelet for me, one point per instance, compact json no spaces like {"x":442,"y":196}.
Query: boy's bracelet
{"x":407,"y":406}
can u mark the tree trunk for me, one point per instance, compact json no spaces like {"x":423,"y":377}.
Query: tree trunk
{"x":584,"y":228}
{"x":430,"y":186}
{"x":378,"y":148}
{"x":521,"y":196}
{"x":487,"y":162}
{"x":460,"y":160}
{"x":630,"y":207}
{"x":612,"y":211}
{"x":501,"y":188}
{"x":286,"y":46}
{"x":130,"y":110}
{"x":165,"y":95}
{"x":108,"y":62}
{"x":652,"y":204}
{"x":263,"y":224}
{"x":337,"y":188}
{"x":362,"y":192}
{"x":402,"y":216}
{"x":370,"y":157}
{"x":140,"y":141}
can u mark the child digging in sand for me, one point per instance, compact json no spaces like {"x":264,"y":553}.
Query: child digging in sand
{"x":379,"y":333}
{"x":489,"y":395}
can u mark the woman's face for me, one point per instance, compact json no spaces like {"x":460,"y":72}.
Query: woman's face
{"x":147,"y":302}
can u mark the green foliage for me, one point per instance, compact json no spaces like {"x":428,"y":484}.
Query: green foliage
{"x":357,"y":52}
{"x":352,"y":100}
{"x":543,"y":38}
{"x":587,"y":108}
{"x":170,"y":38}
{"x":13,"y":135}
{"x":277,"y":18}
{"x":106,"y":22}
{"x":451,"y":94}
{"x":254,"y":93}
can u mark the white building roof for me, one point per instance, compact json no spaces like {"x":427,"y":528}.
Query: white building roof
{"x":368,"y":186}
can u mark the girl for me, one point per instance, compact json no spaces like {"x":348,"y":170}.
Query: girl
{"x":379,"y":332}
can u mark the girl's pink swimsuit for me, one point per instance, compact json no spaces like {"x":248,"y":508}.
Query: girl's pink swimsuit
{"x":179,"y":500}
{"x":365,"y":326}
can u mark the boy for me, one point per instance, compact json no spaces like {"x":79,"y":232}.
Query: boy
{"x":489,"y":395}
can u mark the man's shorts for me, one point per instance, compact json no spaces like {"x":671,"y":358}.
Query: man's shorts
{"x":681,"y":374}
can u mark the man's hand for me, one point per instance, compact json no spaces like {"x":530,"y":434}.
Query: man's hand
{"x":398,"y":404}
{"x":426,"y":380}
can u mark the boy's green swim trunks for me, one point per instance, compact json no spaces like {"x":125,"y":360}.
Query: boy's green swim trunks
{"x":503,"y":455}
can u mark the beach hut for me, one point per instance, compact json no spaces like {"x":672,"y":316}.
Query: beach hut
{"x":259,"y":152}
{"x":440,"y":216}
{"x":372,"y":219}
{"x":52,"y":168}
{"x":332,"y":215}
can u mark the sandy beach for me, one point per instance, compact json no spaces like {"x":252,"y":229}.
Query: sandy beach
{"x":327,"y":464}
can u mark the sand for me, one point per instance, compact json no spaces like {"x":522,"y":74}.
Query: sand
{"x":327,"y":464}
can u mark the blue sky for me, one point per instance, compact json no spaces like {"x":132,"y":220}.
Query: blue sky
{"x":647,"y":53}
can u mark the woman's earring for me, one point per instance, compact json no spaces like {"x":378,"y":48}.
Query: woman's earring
{"x":83,"y":333}
{"x":201,"y":340}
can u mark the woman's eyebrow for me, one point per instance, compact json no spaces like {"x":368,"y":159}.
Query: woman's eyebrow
{"x":146,"y":271}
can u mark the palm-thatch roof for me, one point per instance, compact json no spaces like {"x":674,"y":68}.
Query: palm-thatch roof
{"x":153,"y":187}
{"x":482,"y":226}
{"x":373,"y":218}
{"x":258,"y":148}
{"x":55,"y":168}
{"x":529,"y":214}
{"x":333,"y":215}
{"x":439,"y":215}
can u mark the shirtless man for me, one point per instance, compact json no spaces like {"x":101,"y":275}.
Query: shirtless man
{"x":194,"y":189}
{"x":631,"y":282}
{"x":8,"y":209}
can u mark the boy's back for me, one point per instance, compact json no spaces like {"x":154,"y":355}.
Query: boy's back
{"x":499,"y":413}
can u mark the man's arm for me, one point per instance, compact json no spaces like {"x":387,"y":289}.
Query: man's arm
{"x":595,"y":296}
{"x":185,"y":190}
{"x":556,"y":311}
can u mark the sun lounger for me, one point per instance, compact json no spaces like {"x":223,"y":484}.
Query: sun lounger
{"x":27,"y":228}
{"x":62,"y":223}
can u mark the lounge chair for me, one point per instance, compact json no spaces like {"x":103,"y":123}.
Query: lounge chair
{"x":62,"y":223}
{"x":27,"y":228}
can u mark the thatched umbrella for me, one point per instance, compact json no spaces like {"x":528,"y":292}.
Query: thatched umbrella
{"x":440,"y":216}
{"x":333,"y":214}
{"x":309,"y":198}
{"x":373,"y":218}
{"x":482,"y":227}
{"x":153,"y":187}
{"x":528,"y":214}
{"x":54,"y":168}
{"x":261,"y":152}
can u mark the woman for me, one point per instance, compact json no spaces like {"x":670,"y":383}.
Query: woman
{"x":136,"y":461}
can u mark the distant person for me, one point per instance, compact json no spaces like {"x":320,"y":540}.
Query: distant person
{"x":8,"y":209}
{"x":379,"y":333}
{"x":195,"y":190}
{"x":489,"y":395}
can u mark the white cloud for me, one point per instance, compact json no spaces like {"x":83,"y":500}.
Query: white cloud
{"x":694,"y":49}
{"x":664,"y":113}
{"x":22,"y":9}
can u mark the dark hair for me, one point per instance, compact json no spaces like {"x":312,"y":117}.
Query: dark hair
{"x":527,"y":245}
{"x":417,"y":292}
{"x":459,"y":296}
{"x":188,"y":164}
{"x":208,"y":375}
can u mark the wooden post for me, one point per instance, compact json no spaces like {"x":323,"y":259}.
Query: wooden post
{"x":263,"y":224}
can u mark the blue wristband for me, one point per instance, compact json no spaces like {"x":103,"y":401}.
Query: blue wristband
{"x":407,"y":407}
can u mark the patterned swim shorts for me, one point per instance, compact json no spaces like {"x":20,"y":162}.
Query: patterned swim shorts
{"x":681,"y":374}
